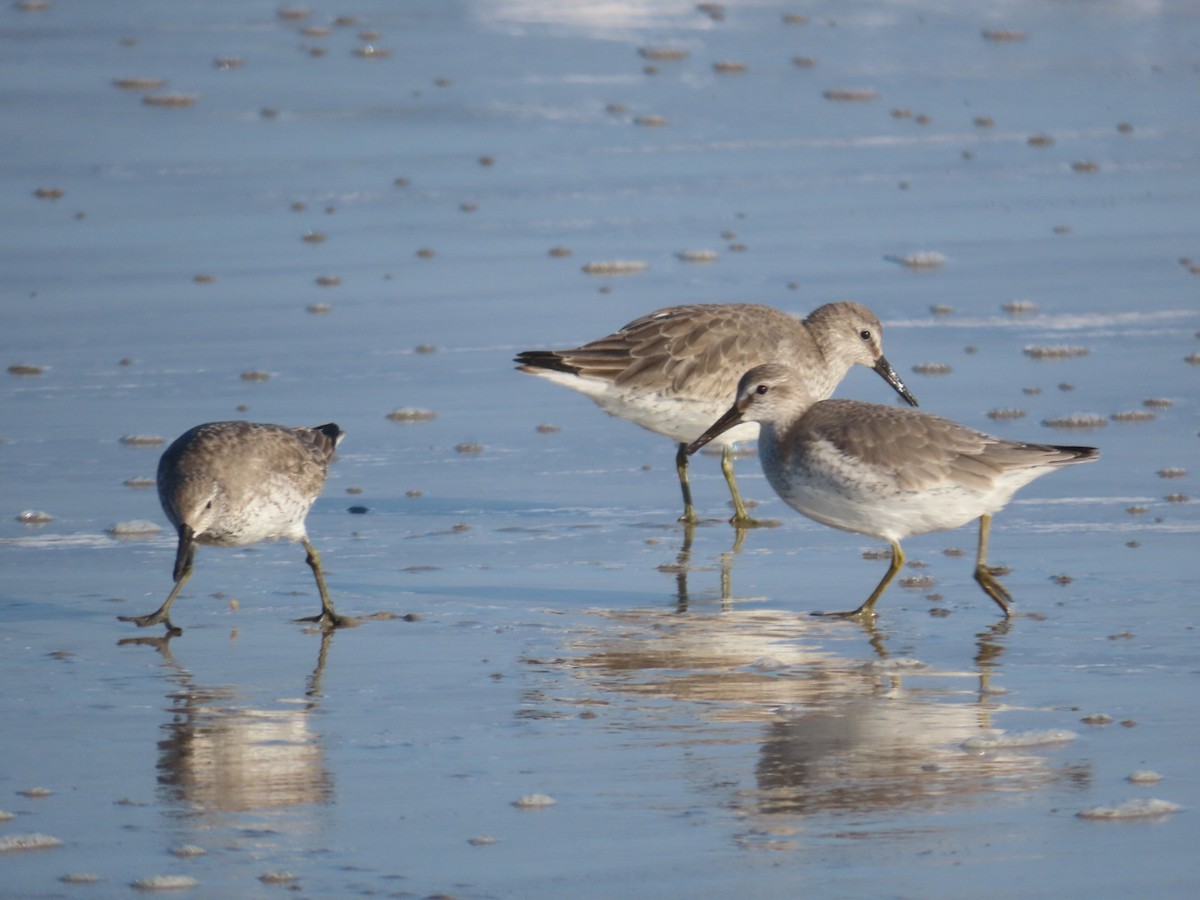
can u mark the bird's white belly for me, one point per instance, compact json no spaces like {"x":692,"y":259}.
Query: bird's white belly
{"x":274,"y":511}
{"x":847,"y":494}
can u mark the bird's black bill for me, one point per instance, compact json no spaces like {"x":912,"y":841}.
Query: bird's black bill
{"x":885,"y":370}
{"x":723,"y":424}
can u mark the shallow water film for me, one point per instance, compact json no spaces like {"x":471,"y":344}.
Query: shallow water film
{"x":359,"y":213}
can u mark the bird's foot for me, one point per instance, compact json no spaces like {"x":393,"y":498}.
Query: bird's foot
{"x":328,"y":619}
{"x":153,"y":618}
{"x":986,"y":576}
{"x":862,"y":614}
{"x":751,"y":522}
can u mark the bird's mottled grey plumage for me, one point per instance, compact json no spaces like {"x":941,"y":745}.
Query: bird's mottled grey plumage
{"x":675,"y":370}
{"x":231,"y":484}
{"x":884,"y":471}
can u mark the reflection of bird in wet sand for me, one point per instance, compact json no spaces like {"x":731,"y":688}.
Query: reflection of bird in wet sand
{"x":883,"y":471}
{"x":231,"y":484}
{"x":220,"y":756}
{"x":674,"y":370}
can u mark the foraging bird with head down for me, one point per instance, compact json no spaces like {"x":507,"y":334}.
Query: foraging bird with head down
{"x":232,"y":484}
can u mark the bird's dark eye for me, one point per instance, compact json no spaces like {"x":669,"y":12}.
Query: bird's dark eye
{"x":865,"y":334}
{"x":761,"y":389}
{"x":208,"y":505}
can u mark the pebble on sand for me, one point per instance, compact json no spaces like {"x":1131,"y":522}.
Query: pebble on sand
{"x":164,"y":883}
{"x":1018,"y":739}
{"x":1130,"y":809}
{"x":615,"y":267}
{"x":411,"y":414}
{"x":12,"y":843}
{"x":534,"y":801}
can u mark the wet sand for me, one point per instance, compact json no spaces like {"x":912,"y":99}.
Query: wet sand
{"x":325,"y":232}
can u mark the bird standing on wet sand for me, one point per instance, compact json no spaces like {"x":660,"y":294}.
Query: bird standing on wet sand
{"x":883,"y":471}
{"x":231,"y":484}
{"x":674,"y":370}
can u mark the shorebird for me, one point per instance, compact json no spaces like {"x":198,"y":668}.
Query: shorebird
{"x":883,"y":471}
{"x":231,"y":484}
{"x":674,"y":371}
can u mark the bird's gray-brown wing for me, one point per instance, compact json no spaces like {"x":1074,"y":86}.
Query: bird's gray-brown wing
{"x":918,"y":450}
{"x":695,"y":348}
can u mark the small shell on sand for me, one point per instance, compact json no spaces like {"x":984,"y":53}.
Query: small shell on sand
{"x":804,"y":62}
{"x":729,"y":67}
{"x":186,"y":851}
{"x":79,"y":878}
{"x":1040,"y":140}
{"x":662,"y":53}
{"x":165,"y":883}
{"x":372,"y":52}
{"x":143,"y":440}
{"x":1080,"y":421}
{"x":483,"y":840}
{"x":1018,"y":739}
{"x":1133,"y":415}
{"x":255,"y":375}
{"x":1006,"y":413}
{"x":49,"y":193}
{"x":1059,"y":351}
{"x":851,"y":95}
{"x":204,"y":278}
{"x":650,"y":121}
{"x":1001,"y":35}
{"x":534,"y":801}
{"x":25,"y":370}
{"x":328,"y":280}
{"x":697,"y":256}
{"x":559,"y":252}
{"x":615,"y":267}
{"x":277,"y":877}
{"x":926,"y":259}
{"x":12,"y":843}
{"x":1086,"y":165}
{"x":140,"y":84}
{"x":932,"y":369}
{"x":1144,"y":776}
{"x":1173,"y":472}
{"x":1131,"y":809}
{"x":468,"y":447}
{"x":1020,"y":307}
{"x":411,"y":414}
{"x":171,"y":100}
{"x":136,"y":528}
{"x":318,"y":309}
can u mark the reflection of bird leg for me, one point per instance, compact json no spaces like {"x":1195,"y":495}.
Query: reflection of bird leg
{"x":328,"y":617}
{"x":990,"y":647}
{"x":161,"y":644}
{"x":727,"y":568}
{"x":313,"y":691}
{"x":185,"y":554}
{"x":682,"y":560}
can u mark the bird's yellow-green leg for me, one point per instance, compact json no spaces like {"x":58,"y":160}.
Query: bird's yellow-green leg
{"x":984,"y":575}
{"x":741,"y":519}
{"x":681,"y":469}
{"x":184,"y":556}
{"x":328,"y":617}
{"x":868,"y":607}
